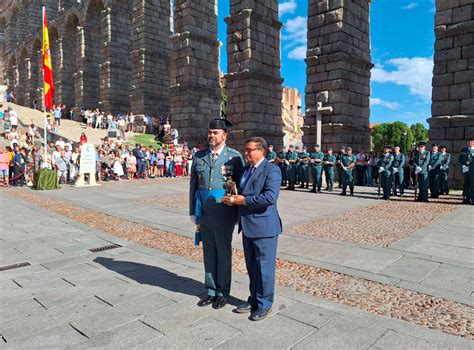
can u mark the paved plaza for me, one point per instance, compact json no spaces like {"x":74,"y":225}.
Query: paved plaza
{"x":352,"y":273}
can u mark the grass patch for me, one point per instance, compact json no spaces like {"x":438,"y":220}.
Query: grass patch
{"x":144,"y":139}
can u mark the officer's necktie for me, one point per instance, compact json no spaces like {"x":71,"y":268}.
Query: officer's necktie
{"x":215,"y":155}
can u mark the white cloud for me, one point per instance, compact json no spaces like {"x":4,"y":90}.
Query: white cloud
{"x":416,"y":73}
{"x":287,"y":7}
{"x":379,"y":102}
{"x":410,"y":6}
{"x":298,"y":53}
{"x":295,"y":37}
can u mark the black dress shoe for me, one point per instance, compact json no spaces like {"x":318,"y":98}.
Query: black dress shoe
{"x":219,"y":302}
{"x":205,"y":301}
{"x":343,"y":194}
{"x":243,"y":308}
{"x":260,"y":314}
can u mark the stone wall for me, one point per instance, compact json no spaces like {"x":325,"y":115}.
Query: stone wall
{"x":253,"y":65}
{"x":195,"y":90}
{"x":452,"y":121}
{"x":338,"y":72}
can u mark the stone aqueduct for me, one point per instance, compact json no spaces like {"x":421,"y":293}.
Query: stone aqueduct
{"x":131,"y":55}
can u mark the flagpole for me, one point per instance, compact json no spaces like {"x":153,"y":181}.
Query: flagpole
{"x":44,"y":104}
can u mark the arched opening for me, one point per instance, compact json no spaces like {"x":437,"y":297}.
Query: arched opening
{"x":93,"y":30}
{"x":65,"y":5}
{"x":11,"y":74}
{"x":69,"y":63}
{"x":21,"y":83}
{"x":36,"y":74}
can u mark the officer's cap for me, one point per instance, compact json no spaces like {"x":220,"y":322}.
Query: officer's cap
{"x":297,"y":147}
{"x":387,"y":146}
{"x":348,"y":148}
{"x":422,"y":143}
{"x":343,"y":147}
{"x":304,"y":147}
{"x":270,"y":146}
{"x":220,"y":123}
{"x":443,"y":146}
{"x":283,"y":147}
{"x":435,"y":144}
{"x":291,"y":146}
{"x":316,"y":145}
{"x":330,"y":149}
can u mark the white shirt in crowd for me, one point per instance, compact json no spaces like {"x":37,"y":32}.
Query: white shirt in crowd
{"x":60,"y":143}
{"x":13,"y":118}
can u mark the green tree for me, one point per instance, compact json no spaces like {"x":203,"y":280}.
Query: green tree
{"x":224,"y":102}
{"x":392,"y":134}
{"x":420,"y":133}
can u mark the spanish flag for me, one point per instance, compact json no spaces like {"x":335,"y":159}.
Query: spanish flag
{"x":47,"y":66}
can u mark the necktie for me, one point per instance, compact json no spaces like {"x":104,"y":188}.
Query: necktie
{"x":252,"y":170}
{"x":214,"y":157}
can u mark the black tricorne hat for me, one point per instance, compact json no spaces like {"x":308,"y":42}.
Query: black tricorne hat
{"x":220,"y":123}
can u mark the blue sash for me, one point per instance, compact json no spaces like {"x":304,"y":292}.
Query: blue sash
{"x":202,"y":196}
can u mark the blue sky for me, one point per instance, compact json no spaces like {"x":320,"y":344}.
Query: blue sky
{"x":402,"y":51}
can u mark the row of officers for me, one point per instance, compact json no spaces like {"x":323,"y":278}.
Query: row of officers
{"x":430,"y":167}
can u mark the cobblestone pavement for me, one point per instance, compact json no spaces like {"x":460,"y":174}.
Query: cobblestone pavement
{"x":139,"y":297}
{"x":420,"y":308}
{"x":379,"y":225}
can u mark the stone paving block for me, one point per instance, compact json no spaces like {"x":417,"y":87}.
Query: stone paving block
{"x":343,"y":333}
{"x":409,"y":269}
{"x":121,"y":314}
{"x":308,"y":314}
{"x":370,"y":260}
{"x":453,"y":278}
{"x":20,"y":309}
{"x":22,"y":271}
{"x":127,"y":336}
{"x":439,"y":250}
{"x":28,"y":325}
{"x":395,"y":340}
{"x":209,"y":331}
{"x":55,"y":337}
{"x":275,"y":332}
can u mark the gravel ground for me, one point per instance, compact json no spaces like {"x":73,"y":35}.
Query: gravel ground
{"x":177,"y":201}
{"x":422,"y":309}
{"x":381,"y":224}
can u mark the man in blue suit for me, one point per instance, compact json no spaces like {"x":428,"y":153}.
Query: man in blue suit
{"x":260,"y":225}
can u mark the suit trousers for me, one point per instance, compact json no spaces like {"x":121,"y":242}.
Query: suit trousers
{"x":260,"y":259}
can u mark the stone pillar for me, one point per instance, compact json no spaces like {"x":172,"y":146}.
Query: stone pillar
{"x":452,"y":121}
{"x":59,"y":82}
{"x":195,"y":91}
{"x":253,"y":64}
{"x":151,"y":57}
{"x":338,"y":72}
{"x":28,"y":84}
{"x":79,"y":80}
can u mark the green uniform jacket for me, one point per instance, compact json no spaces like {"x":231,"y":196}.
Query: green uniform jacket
{"x":293,"y":155}
{"x":422,"y":159}
{"x":331,"y":158}
{"x":386,"y":162}
{"x":317,"y":155}
{"x":303,"y":158}
{"x":467,"y":158}
{"x":347,"y":160}
{"x":446,"y":159}
{"x":271,"y":156}
{"x":435,"y":161}
{"x":398,"y":161}
{"x":208,"y":176}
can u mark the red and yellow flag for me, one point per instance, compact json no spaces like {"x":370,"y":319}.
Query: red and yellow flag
{"x":47,"y":66}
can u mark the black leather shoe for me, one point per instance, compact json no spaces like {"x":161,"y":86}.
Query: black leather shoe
{"x":343,"y":194}
{"x":205,"y":301}
{"x":243,"y":308}
{"x":219,"y":302}
{"x":260,"y":314}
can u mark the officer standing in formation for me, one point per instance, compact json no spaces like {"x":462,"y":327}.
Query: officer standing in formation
{"x":385,"y":171}
{"x":347,"y":164}
{"x":303,"y":164}
{"x":466,"y":160}
{"x":444,"y":170}
{"x":281,"y":159}
{"x":420,"y":164}
{"x":291,"y":160}
{"x":339,"y":167}
{"x":398,"y":173}
{"x":329,"y":161}
{"x":434,"y":170}
{"x":271,"y":154}
{"x":317,"y":158}
{"x":216,"y":220}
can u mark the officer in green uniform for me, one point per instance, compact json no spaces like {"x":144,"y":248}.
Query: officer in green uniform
{"x":420,"y":164}
{"x":443,"y":178}
{"x":291,"y":158}
{"x":271,"y":154}
{"x":329,"y":162}
{"x":466,"y":160}
{"x":347,"y":164}
{"x":317,"y":158}
{"x":385,"y":170}
{"x":304,"y":167}
{"x":216,"y":221}
{"x":281,"y":157}
{"x":339,"y":168}
{"x":297,"y":166}
{"x":398,"y":173}
{"x":434,"y":171}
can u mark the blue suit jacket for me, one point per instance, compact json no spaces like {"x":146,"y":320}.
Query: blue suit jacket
{"x":259,"y":218}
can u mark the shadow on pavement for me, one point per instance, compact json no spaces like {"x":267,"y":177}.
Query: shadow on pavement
{"x":156,"y":276}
